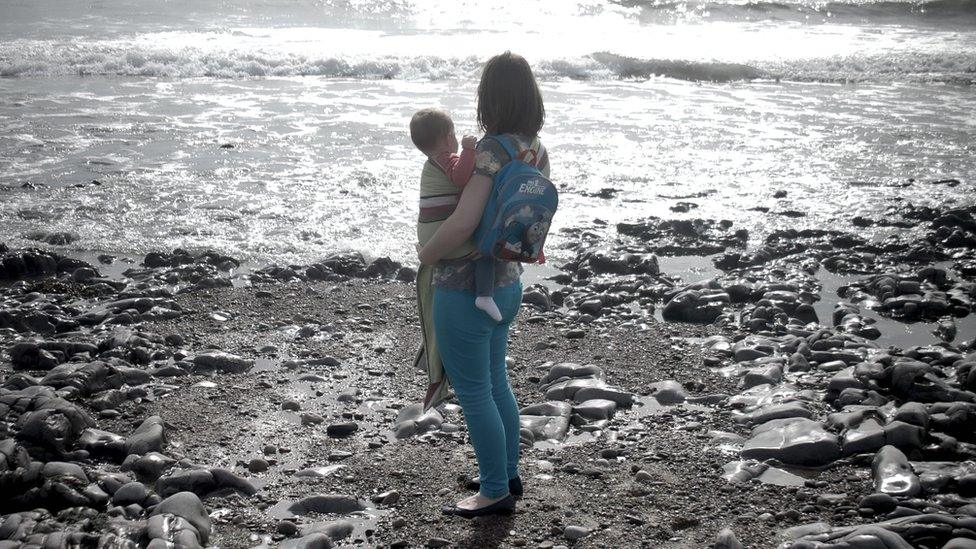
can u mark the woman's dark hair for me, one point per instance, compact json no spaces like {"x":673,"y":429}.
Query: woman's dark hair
{"x":509,"y":100}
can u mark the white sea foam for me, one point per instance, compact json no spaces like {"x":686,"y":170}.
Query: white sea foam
{"x":34,"y":59}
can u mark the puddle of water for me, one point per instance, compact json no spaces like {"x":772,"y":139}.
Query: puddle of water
{"x":690,"y":268}
{"x":540,"y":274}
{"x":893,"y":332}
{"x":360,"y":520}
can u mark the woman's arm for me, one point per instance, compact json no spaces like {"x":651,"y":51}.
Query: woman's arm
{"x":459,"y":227}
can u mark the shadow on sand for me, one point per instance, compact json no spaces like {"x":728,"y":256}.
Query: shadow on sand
{"x":487,"y":532}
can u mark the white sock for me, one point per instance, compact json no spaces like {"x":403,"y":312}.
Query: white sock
{"x":487,"y":304}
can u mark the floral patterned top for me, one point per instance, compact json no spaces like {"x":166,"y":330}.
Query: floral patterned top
{"x":490,"y":157}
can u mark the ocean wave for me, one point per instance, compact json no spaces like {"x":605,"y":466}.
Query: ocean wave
{"x":876,"y":11}
{"x":54,"y":59}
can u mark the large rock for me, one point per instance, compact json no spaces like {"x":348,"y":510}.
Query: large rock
{"x":166,"y":531}
{"x":893,"y":474}
{"x":546,"y":421}
{"x":29,"y":355}
{"x":346,"y":264}
{"x":412,"y":421}
{"x":100,"y":443}
{"x":203,"y":482}
{"x":315,"y":540}
{"x":187,"y":506}
{"x":55,"y":425}
{"x":702,"y":306}
{"x":668,"y":392}
{"x":148,"y":437}
{"x":220,"y":361}
{"x":596,"y":409}
{"x":794,"y":441}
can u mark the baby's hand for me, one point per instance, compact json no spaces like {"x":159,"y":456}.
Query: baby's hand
{"x":469,"y":142}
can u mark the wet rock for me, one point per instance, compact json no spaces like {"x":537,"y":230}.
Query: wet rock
{"x":291,"y":405}
{"x":623,"y":263}
{"x":701,"y":303}
{"x":148,"y":467}
{"x":55,"y":425}
{"x":29,"y":355}
{"x":220,"y":361}
{"x":726,"y":539}
{"x":188,"y":506}
{"x":287,"y":528}
{"x":538,"y":296}
{"x":795,"y":441}
{"x":56,"y":469}
{"x":745,"y":471}
{"x":100,"y":443}
{"x":770,"y":374}
{"x":848,"y":318}
{"x":257,"y":465}
{"x":382,"y":267}
{"x":339,"y":430}
{"x":769,"y":412}
{"x":150,"y":436}
{"x":406,"y":274}
{"x":412,"y":421}
{"x":946,"y":330}
{"x":879,"y":503}
{"x":169,"y":531}
{"x":546,"y":421}
{"x":336,"y":529}
{"x":668,"y":392}
{"x":311,"y":541}
{"x":893,"y":474}
{"x":684,"y":236}
{"x":133,"y":492}
{"x":596,"y":409}
{"x":346,"y":263}
{"x":575,"y":533}
{"x":203,"y":482}
{"x":917,"y":530}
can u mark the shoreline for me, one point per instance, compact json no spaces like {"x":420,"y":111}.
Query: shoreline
{"x":757,"y":406}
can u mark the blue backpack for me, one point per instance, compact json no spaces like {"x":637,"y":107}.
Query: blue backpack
{"x":516,"y":220}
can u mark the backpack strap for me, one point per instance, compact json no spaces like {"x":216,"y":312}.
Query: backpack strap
{"x":507,"y":144}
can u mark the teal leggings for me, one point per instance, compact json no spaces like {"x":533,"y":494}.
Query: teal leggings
{"x":473,"y":347}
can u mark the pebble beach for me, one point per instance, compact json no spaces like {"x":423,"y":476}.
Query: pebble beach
{"x":186,"y":401}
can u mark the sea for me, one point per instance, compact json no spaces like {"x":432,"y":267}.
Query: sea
{"x":276,"y":130}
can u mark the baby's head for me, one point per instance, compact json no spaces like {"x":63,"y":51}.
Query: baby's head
{"x":432,"y":131}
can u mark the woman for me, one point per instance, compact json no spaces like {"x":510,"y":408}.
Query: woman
{"x":472,"y":345}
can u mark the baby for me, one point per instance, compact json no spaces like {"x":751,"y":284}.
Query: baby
{"x":441,"y":181}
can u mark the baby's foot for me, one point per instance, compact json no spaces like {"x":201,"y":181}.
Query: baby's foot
{"x":487,"y":304}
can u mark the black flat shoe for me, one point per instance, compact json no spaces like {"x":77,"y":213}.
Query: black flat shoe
{"x":514,"y":485}
{"x":504,"y":506}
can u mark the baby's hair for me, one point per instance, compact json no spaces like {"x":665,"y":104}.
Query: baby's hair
{"x":428,"y":126}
